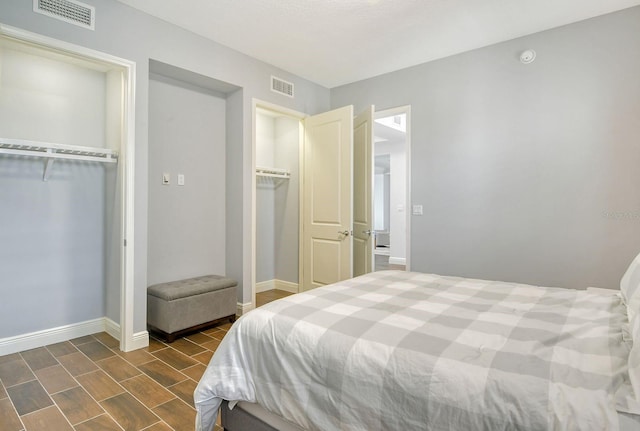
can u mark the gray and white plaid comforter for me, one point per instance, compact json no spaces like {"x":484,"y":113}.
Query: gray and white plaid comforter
{"x":410,"y":351}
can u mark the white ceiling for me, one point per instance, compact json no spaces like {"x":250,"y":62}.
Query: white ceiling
{"x":335,"y":42}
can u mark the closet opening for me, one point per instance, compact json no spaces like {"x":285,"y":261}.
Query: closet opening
{"x":276,"y":162}
{"x":66,"y":187}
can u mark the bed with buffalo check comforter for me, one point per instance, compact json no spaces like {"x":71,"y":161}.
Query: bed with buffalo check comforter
{"x":403,"y":350}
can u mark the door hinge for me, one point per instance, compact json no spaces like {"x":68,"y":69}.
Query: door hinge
{"x":125,"y":242}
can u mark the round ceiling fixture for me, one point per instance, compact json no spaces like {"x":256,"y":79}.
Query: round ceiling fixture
{"x":527,"y":56}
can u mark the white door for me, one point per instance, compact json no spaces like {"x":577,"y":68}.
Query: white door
{"x":327,"y":198}
{"x":362,"y":192}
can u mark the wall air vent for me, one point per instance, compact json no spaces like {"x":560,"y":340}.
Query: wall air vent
{"x":281,"y":86}
{"x":71,"y":11}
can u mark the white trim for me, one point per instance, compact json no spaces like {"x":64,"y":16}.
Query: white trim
{"x":139,"y":340}
{"x":264,"y":286}
{"x":406,"y":109}
{"x":127,"y":152}
{"x":287,"y":286}
{"x":397,"y":261}
{"x":244,"y":308}
{"x":112,"y":328}
{"x":46,"y":337}
{"x":276,"y":284}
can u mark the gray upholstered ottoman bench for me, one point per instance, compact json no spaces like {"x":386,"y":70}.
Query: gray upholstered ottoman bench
{"x":179,"y":307}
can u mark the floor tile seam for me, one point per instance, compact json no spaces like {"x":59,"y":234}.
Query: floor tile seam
{"x":29,"y":365}
{"x":86,"y":392}
{"x":140,"y":401}
{"x":101,"y":359}
{"x":44,"y":408}
{"x":15,"y":410}
{"x":125,"y":359}
{"x":179,"y":399}
{"x":93,"y":417}
{"x":18,"y":384}
{"x":161,"y":421}
{"x":66,"y":354}
{"x":80,"y":344}
{"x":174,"y":368}
{"x":80,"y":375}
{"x":135,"y":398}
{"x":79,"y":384}
{"x":128,"y":363}
{"x":104,"y":413}
{"x":190,"y":357}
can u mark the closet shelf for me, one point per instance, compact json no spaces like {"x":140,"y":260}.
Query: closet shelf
{"x":271,"y":176}
{"x":50,"y":152}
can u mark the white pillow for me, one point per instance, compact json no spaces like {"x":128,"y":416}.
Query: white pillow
{"x":630,"y":289}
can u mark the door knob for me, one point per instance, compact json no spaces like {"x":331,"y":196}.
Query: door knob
{"x":367,"y":232}
{"x":343,"y":232}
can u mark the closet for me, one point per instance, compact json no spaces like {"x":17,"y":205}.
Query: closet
{"x":61,"y":194}
{"x":277,"y":200}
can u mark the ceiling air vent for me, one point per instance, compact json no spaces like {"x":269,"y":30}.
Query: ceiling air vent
{"x":281,"y":86}
{"x":70,"y":11}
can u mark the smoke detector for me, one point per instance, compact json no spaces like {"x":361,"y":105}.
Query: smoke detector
{"x":527,"y":56}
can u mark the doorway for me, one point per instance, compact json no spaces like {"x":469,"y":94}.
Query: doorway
{"x":73,"y":143}
{"x":391,"y":188}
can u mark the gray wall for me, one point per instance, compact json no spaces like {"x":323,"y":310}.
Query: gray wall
{"x":127,"y":33}
{"x":527,"y":173}
{"x":187,"y":223}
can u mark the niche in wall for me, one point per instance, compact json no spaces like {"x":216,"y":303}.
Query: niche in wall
{"x":187,"y":138}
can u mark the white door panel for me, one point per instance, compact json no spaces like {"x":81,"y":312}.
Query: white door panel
{"x":327,"y":195}
{"x":362,"y":192}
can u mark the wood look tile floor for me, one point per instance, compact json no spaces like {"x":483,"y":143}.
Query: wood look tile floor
{"x":88,"y":384}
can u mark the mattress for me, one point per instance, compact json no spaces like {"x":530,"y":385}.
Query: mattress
{"x":403,"y":350}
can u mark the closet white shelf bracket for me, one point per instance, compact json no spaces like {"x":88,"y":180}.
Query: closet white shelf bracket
{"x":271,"y":176}
{"x":51,"y":152}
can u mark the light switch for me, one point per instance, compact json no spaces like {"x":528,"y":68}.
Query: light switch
{"x":166,"y":179}
{"x":417,"y":210}
{"x":181,"y":179}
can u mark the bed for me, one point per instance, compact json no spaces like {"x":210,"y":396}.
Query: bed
{"x":397,"y":350}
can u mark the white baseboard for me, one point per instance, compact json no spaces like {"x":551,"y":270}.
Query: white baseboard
{"x":140,"y":340}
{"x":45,"y":337}
{"x":287,"y":286}
{"x":33,"y":340}
{"x":397,"y":260}
{"x":112,"y":328}
{"x":263,"y":286}
{"x":244,"y":308}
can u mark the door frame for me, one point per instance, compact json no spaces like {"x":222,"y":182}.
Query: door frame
{"x":404,"y":109}
{"x":128,"y":340}
{"x":299,"y":116}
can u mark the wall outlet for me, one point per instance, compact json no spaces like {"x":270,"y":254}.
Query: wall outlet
{"x":166,"y":179}
{"x":417,"y":210}
{"x":181,"y":179}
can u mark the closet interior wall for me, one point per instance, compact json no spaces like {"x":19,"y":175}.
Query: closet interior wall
{"x":277,"y":202}
{"x":59,"y":238}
